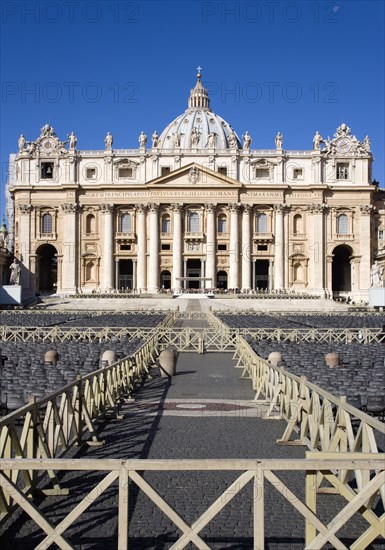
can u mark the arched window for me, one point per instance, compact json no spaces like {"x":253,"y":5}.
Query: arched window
{"x":298,"y":271}
{"x":222,"y":223}
{"x":166,"y":224}
{"x":126,"y":223}
{"x":90,"y":270}
{"x":298,"y":224}
{"x":193,"y":222}
{"x":90,"y":224}
{"x":46,"y":223}
{"x":342,"y":224}
{"x":261,"y":223}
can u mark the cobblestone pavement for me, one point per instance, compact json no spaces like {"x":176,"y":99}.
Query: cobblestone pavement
{"x":184,"y":432}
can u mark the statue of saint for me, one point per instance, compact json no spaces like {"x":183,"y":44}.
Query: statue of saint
{"x":177,"y":139}
{"x":376,"y":275}
{"x":246,"y":141}
{"x":15,"y":272}
{"x":233,"y":142}
{"x":142,"y":140}
{"x":73,"y":140}
{"x":278,"y":140}
{"x":108,"y":140}
{"x":317,"y":141}
{"x":21,"y":143}
{"x":155,"y":139}
{"x":211,"y":140}
{"x":195,"y":137}
{"x":366,"y":144}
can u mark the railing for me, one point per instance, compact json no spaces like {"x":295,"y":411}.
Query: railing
{"x":317,"y":418}
{"x":48,"y":428}
{"x":342,"y":335}
{"x":318,"y":529}
{"x":258,"y":313}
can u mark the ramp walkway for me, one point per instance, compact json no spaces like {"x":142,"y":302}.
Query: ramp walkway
{"x":204,"y":412}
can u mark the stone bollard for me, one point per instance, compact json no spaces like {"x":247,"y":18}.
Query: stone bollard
{"x":167,"y":362}
{"x":332,"y":360}
{"x":109,"y":357}
{"x":51,"y":357}
{"x":274,"y":358}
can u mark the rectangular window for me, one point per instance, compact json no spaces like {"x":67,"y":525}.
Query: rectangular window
{"x":166,"y":246}
{"x":262,"y":173}
{"x":262,"y":248}
{"x":222,"y":170}
{"x":91,"y":173}
{"x":46,"y":170}
{"x":165,"y":170}
{"x":342,"y":170}
{"x":125,"y":247}
{"x":297,"y":173}
{"x":380,"y":234}
{"x":222,"y":246}
{"x":125,"y":172}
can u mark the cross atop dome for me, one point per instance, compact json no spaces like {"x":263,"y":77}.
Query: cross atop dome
{"x":199,"y":96}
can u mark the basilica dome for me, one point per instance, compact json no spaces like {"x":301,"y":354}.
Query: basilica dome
{"x":199,"y":127}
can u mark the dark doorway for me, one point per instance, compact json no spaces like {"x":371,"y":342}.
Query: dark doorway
{"x":46,"y":269}
{"x":262,"y":274}
{"x":126,"y":270}
{"x":222,"y":280}
{"x":341,"y":269}
{"x":165,"y":280}
{"x":194,"y":269}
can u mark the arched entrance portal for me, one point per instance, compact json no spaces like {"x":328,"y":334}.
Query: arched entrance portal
{"x":165,"y":280}
{"x":341,"y":269}
{"x":46,"y":268}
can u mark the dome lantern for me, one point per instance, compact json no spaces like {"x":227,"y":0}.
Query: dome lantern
{"x":199,"y":96}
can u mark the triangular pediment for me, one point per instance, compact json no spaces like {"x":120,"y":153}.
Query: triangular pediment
{"x":194,"y":175}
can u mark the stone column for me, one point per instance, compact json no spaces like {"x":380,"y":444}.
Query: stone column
{"x":234,"y":246}
{"x":203,"y":274}
{"x":365,"y":261}
{"x":69,"y":279}
{"x":141,"y":251}
{"x":246,"y":248}
{"x":24,"y":251}
{"x":177,"y":247}
{"x":317,"y":249}
{"x":286,"y":251}
{"x":117,"y":274}
{"x":210,"y":245}
{"x":134,"y":277}
{"x":279,"y":247}
{"x":108,"y":247}
{"x":271,"y":271}
{"x":253,"y":274}
{"x":153,"y":263}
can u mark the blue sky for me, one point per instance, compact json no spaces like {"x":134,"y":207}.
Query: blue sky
{"x":126,"y":66}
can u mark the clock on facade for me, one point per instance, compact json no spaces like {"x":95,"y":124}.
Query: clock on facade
{"x":343,"y":145}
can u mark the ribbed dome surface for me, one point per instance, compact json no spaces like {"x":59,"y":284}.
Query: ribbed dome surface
{"x":199,"y":127}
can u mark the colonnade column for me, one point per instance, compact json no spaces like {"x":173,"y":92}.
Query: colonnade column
{"x":279,"y":247}
{"x":246,"y":248}
{"x":153,"y":263}
{"x":317,"y":252}
{"x":177,"y":247}
{"x":108,"y":248}
{"x":234,"y":246}
{"x":365,"y":263}
{"x":286,"y":251}
{"x":210,"y":245}
{"x":141,"y":254}
{"x":70,"y":248}
{"x":25,"y":245}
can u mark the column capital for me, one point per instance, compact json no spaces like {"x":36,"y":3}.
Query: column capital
{"x":317,"y":208}
{"x":153,"y":207}
{"x":366,"y":208}
{"x":106,"y":208}
{"x":177,"y":208}
{"x":141,"y":208}
{"x":233,"y":207}
{"x":281,"y":208}
{"x":69,"y":208}
{"x":247,"y":208}
{"x":210,"y":207}
{"x":25,"y":208}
